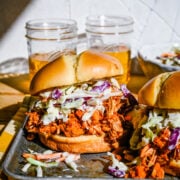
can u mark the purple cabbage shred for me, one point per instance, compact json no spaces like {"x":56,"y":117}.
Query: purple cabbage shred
{"x":56,"y":93}
{"x":116,"y":172}
{"x":125,"y":90}
{"x":102,"y":87}
{"x":128,"y":95}
{"x":174,"y":138}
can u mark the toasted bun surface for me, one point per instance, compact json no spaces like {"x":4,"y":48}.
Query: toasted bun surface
{"x":96,"y":65}
{"x":60,"y":72}
{"x":80,"y":144}
{"x":72,"y":69}
{"x":173,"y":168}
{"x":163,"y":91}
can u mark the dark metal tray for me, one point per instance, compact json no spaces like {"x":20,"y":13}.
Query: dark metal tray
{"x":90,"y":165}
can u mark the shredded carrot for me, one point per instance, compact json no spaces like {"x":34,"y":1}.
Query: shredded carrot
{"x":167,"y":54}
{"x":48,"y":156}
{"x":28,"y":155}
{"x":40,"y":156}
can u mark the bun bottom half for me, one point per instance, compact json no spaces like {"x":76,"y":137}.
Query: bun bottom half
{"x":173,"y":168}
{"x":172,"y":171}
{"x":80,"y":144}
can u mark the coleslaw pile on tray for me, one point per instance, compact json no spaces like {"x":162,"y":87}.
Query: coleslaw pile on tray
{"x":48,"y":159}
{"x":172,"y":57}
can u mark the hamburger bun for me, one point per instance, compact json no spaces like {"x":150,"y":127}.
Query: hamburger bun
{"x":163,"y":91}
{"x":80,"y":144}
{"x":72,"y":69}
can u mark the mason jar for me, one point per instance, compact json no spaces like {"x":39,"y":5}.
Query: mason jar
{"x":112,"y":35}
{"x":47,"y":39}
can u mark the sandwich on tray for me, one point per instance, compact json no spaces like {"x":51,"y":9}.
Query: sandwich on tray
{"x":157,"y":128}
{"x":81,"y":108}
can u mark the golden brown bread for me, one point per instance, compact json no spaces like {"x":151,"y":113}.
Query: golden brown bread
{"x":163,"y":91}
{"x":80,"y":144}
{"x":173,"y":168}
{"x":72,"y":69}
{"x":59,"y":72}
{"x":95,"y":65}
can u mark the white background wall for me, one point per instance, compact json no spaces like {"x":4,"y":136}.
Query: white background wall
{"x":155,"y":20}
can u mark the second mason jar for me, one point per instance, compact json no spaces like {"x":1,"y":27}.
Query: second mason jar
{"x":49,"y":38}
{"x":112,"y":35}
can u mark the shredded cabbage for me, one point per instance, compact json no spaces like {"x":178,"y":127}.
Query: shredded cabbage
{"x":26,"y":167}
{"x":117,"y":168}
{"x":174,"y":138}
{"x":56,"y":93}
{"x":148,"y":130}
{"x":68,"y":158}
{"x":39,"y":171}
{"x":116,"y":172}
{"x":116,"y":163}
{"x":87,"y":97}
{"x":40,"y":163}
{"x":70,"y":162}
{"x":101,"y":86}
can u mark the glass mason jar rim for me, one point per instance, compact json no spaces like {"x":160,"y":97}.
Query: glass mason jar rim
{"x":54,"y":29}
{"x":109,"y":20}
{"x":109,"y":24}
{"x":50,"y":24}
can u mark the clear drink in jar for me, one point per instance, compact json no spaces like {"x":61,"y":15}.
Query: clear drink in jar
{"x":124,"y":56}
{"x":38,"y":60}
{"x":112,"y":35}
{"x":47,"y":39}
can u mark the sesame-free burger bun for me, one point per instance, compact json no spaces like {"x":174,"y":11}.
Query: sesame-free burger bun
{"x":79,"y":144}
{"x":163,"y":91}
{"x":72,"y":69}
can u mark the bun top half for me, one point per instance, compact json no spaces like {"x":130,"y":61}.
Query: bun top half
{"x":72,"y":69}
{"x":163,"y":91}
